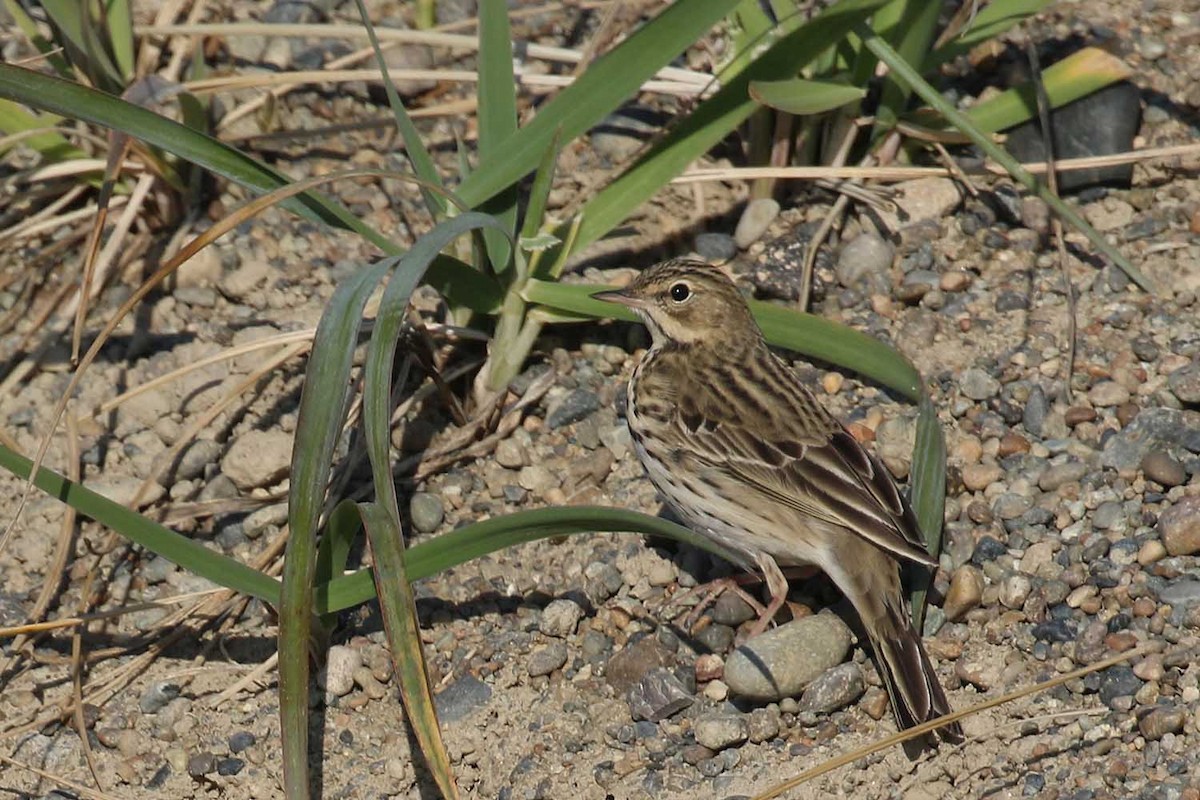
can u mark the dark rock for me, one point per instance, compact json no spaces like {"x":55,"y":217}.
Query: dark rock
{"x":631,"y":664}
{"x":1118,"y":681}
{"x":461,"y":699}
{"x":230,"y":766}
{"x":833,"y":689}
{"x":1152,"y":429}
{"x":201,"y":764}
{"x":1102,"y":123}
{"x":241,"y":740}
{"x":658,"y":695}
{"x":572,"y":408}
{"x":715,"y":247}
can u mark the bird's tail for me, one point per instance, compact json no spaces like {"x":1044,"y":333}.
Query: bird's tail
{"x":912,"y":684}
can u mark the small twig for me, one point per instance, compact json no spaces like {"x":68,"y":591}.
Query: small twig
{"x":1043,"y":107}
{"x":810,"y":253}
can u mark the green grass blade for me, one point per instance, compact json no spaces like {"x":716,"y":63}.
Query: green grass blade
{"x":334,"y":550}
{"x":83,"y":39}
{"x":1078,"y":75}
{"x":960,"y":121}
{"x":603,"y":87}
{"x":187,"y":553}
{"x":75,"y":101}
{"x":539,"y":193}
{"x":806,"y":334}
{"x":928,"y":491}
{"x":404,"y":641}
{"x":423,"y":560}
{"x":991,"y":21}
{"x":714,"y":118}
{"x":319,"y":425}
{"x":800,"y":96}
{"x":118,"y":20}
{"x":909,"y":26}
{"x":497,"y":124}
{"x":52,"y":146}
{"x":382,"y":518}
{"x":472,"y":541}
{"x":414,"y":145}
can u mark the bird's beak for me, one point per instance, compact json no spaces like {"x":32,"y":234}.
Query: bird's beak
{"x":619,"y":297}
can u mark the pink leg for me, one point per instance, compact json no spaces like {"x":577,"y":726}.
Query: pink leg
{"x":778,"y":586}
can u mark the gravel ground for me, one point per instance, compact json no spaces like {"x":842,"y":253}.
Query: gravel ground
{"x":563,"y":668}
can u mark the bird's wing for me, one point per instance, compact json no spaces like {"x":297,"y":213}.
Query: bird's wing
{"x":796,"y":454}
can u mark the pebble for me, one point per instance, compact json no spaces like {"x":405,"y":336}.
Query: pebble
{"x":578,"y":404}
{"x":1107,"y":394}
{"x":201,"y":764}
{"x":977,"y":477}
{"x":782,"y":662}
{"x":977,"y":384}
{"x":230,"y":766}
{"x":659,"y":695}
{"x":510,"y":454}
{"x":715,"y":247}
{"x":1059,"y":475}
{"x":1015,"y":590}
{"x":337,"y":678}
{"x":755,"y":219}
{"x":1185,"y":383}
{"x":1179,"y":527}
{"x":864,"y":263}
{"x":1152,"y":429}
{"x":720,"y":730}
{"x":1164,"y":470}
{"x":545,"y":660}
{"x":966,"y":589}
{"x":835,"y":688}
{"x":258,"y":458}
{"x":1033,"y":416}
{"x":762,"y":725}
{"x":194,"y":460}
{"x":1118,"y":681}
{"x":730,"y":609}
{"x":426,"y":512}
{"x":461,"y":699}
{"x":538,"y":479}
{"x":1160,"y":721}
{"x":630,"y":665}
{"x":241,"y":740}
{"x":157,"y":695}
{"x":559,"y":618}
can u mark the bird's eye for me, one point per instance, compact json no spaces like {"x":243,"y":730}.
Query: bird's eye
{"x":680,"y":292}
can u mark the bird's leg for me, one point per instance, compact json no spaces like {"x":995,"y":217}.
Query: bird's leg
{"x":709,"y":592}
{"x":778,"y":586}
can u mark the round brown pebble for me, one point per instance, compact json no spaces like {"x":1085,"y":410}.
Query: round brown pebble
{"x":966,"y":589}
{"x":1162,"y":469}
{"x":1179,"y":527}
{"x":1126,"y":412}
{"x":1013,"y":443}
{"x":1077,"y":414}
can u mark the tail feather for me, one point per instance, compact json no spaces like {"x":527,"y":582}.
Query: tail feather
{"x":912,"y":684}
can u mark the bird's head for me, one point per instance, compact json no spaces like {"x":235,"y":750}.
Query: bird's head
{"x":688,"y":302}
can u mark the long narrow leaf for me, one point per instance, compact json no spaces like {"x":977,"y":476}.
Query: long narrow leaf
{"x":1078,"y":75}
{"x":404,"y":639}
{"x":960,"y":121}
{"x":603,"y":87}
{"x":928,"y":491}
{"x":800,"y":96}
{"x":322,"y":411}
{"x":497,"y":124}
{"x":423,"y":560}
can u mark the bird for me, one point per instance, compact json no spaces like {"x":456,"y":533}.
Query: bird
{"x":748,"y":458}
